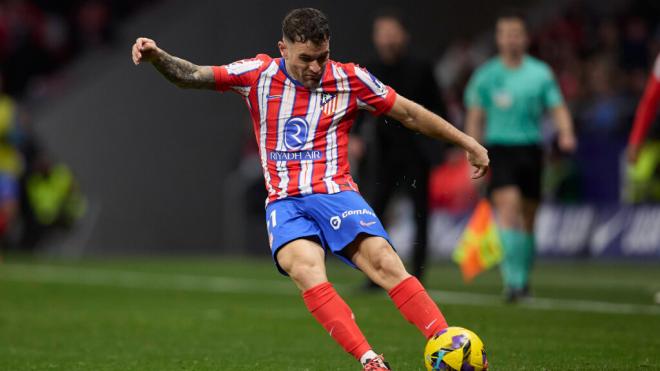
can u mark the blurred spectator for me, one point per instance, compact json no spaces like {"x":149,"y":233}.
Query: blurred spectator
{"x":11,"y":163}
{"x":49,"y":195}
{"x":93,"y":24}
{"x":398,"y":160}
{"x":39,"y":36}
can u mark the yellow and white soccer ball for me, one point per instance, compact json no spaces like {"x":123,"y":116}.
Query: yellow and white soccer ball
{"x":455,"y":348}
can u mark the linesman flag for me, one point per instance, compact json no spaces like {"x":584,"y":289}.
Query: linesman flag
{"x":480,"y":246}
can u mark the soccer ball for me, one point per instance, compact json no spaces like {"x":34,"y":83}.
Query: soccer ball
{"x":455,"y":348}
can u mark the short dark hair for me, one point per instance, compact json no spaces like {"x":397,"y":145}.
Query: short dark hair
{"x":512,"y":13}
{"x":306,"y":24}
{"x":394,"y":14}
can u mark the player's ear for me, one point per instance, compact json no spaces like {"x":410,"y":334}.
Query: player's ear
{"x":281,"y":45}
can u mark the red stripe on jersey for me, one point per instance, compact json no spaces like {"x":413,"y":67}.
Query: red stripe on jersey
{"x":274,"y":105}
{"x":343,"y":177}
{"x":320,"y":144}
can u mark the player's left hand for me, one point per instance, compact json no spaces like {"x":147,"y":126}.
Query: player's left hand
{"x":567,"y":142}
{"x":477,"y":155}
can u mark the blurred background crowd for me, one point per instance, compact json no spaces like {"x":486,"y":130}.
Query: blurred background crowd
{"x":37,"y":38}
{"x":601,"y":54}
{"x":602,"y":57}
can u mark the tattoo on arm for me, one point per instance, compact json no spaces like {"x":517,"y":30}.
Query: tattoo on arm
{"x":183,"y":73}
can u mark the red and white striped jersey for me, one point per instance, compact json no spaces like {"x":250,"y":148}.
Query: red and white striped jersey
{"x":302,"y":134}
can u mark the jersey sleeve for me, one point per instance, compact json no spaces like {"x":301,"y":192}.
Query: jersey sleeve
{"x":647,"y":108}
{"x":551,"y":93}
{"x":371,"y":94}
{"x":239,"y":76}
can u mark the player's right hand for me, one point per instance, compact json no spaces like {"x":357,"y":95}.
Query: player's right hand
{"x":144,"y":50}
{"x":478,"y":158}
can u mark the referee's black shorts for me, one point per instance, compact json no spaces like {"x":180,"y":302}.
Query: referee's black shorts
{"x":516,"y":165}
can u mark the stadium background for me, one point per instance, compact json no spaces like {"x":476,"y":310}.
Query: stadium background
{"x":170,"y":172}
{"x":158,"y":165}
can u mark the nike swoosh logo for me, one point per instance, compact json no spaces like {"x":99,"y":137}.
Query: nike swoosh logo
{"x":331,"y":330}
{"x":365,"y":224}
{"x":430,"y":324}
{"x":273,"y":96}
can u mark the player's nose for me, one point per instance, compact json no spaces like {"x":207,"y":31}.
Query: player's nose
{"x":315,"y":67}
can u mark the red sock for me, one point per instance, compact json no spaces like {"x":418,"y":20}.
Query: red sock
{"x":333,"y":313}
{"x":417,"y":307}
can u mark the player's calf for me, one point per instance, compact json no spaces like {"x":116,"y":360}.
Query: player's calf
{"x":416,"y":306}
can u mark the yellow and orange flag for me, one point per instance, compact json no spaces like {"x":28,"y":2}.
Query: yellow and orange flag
{"x":480,"y":247}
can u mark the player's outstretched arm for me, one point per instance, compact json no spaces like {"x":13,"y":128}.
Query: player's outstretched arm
{"x":179,"y":71}
{"x":417,"y":118}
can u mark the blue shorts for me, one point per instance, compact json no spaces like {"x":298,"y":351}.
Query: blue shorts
{"x":334,"y":219}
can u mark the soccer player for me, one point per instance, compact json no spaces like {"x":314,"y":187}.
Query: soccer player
{"x":509,"y":93}
{"x":644,"y":158}
{"x":302,"y":106}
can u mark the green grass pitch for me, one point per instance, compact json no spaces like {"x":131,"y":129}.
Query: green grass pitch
{"x":239,"y":314}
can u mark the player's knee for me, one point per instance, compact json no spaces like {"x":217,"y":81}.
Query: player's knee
{"x":386,"y":262}
{"x":306,"y":273}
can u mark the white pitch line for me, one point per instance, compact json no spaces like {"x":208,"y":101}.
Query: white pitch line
{"x":572,"y":305}
{"x":116,"y":278}
{"x":183,"y":282}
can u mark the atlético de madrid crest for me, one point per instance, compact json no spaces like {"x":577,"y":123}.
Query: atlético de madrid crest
{"x":328,"y":103}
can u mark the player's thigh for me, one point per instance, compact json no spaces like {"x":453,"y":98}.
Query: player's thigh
{"x":289,"y":228}
{"x":303,"y":260}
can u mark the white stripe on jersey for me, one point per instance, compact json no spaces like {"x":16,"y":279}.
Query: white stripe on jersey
{"x":263,"y":87}
{"x":243,"y":66}
{"x":286,"y":109}
{"x":342,"y":98}
{"x":313,"y":116}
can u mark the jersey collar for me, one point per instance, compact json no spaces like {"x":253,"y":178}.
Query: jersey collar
{"x":296,"y":82}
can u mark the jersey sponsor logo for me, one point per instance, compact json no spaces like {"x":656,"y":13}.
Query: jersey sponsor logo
{"x":502,"y":99}
{"x":295,"y":133}
{"x":309,"y":155}
{"x":335,"y":222}
{"x":348,"y":213}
